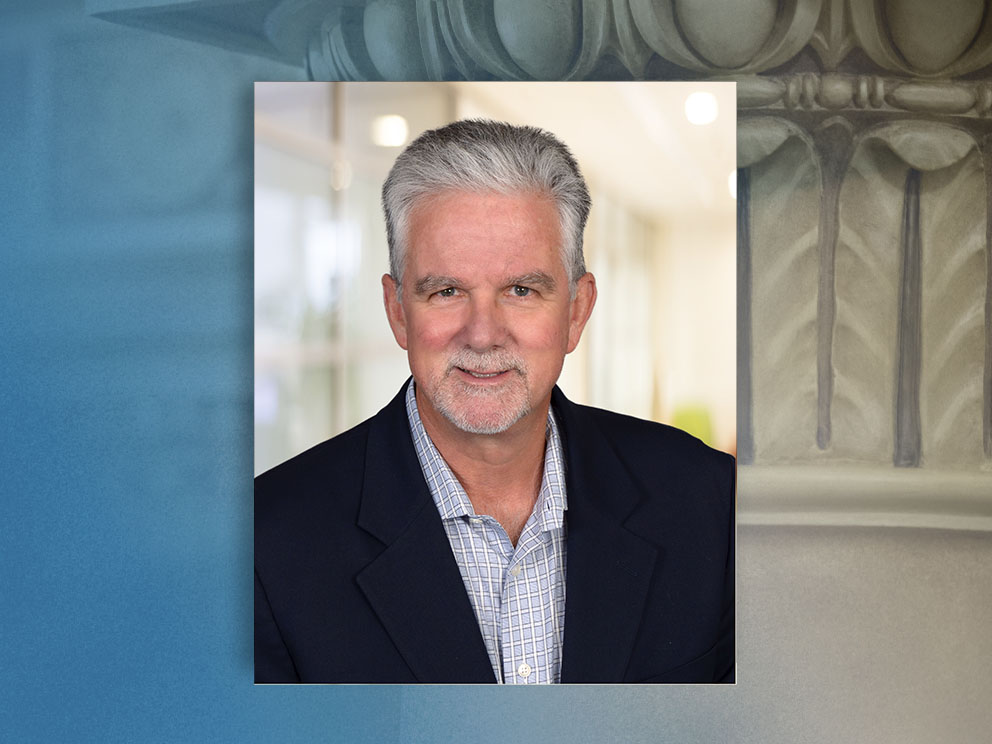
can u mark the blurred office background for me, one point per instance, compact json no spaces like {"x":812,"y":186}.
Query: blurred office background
{"x":660,"y":240}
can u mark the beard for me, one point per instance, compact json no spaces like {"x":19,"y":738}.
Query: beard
{"x":482,"y":409}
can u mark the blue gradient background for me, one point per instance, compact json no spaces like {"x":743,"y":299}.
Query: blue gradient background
{"x":126,"y":336}
{"x":126,"y":314}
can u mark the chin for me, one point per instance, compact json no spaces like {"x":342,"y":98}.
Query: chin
{"x":485,"y":411}
{"x":474,"y":423}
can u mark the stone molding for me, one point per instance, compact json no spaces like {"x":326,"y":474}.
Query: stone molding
{"x":836,"y":92}
{"x":573,"y":39}
{"x":859,"y":496}
{"x":576,"y":39}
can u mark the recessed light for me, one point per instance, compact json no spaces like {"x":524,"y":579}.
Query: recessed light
{"x":701,"y":108}
{"x":390,"y":130}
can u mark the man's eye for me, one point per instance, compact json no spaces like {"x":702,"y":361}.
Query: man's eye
{"x":521,"y":291}
{"x":447,"y":292}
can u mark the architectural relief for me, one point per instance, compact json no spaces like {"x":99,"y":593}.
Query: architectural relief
{"x":778,"y":199}
{"x":901,"y":284}
{"x":572,"y":39}
{"x":865,"y":323}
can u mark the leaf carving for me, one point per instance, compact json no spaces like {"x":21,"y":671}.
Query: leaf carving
{"x":867,"y":289}
{"x":785,"y":189}
{"x":952,"y":226}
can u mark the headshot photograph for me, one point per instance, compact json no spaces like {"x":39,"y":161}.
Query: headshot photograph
{"x":494,"y":383}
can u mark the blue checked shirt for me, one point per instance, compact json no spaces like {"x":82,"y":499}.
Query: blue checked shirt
{"x":518,"y":594}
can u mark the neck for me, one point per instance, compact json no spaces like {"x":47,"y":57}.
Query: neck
{"x":501,"y":473}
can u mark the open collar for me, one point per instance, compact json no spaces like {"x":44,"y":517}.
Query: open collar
{"x":415,"y":587}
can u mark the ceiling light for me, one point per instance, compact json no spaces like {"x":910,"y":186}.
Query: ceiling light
{"x":390,"y":130}
{"x":701,"y":108}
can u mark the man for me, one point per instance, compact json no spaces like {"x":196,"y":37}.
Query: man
{"x":481,"y":527}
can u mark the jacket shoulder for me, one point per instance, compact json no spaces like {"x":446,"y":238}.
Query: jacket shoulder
{"x":304,"y":482}
{"x":656,"y":450}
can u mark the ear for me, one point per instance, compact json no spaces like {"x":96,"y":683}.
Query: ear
{"x":580,"y":309}
{"x":394,"y":310}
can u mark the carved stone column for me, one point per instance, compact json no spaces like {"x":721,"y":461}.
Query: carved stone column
{"x":864,"y":128}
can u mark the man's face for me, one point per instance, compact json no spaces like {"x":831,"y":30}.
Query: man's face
{"x":486,"y":316}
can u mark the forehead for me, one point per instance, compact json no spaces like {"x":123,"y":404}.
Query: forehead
{"x":483,"y":228}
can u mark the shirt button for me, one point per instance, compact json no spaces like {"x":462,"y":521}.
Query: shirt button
{"x":515,"y":570}
{"x":524,"y":670}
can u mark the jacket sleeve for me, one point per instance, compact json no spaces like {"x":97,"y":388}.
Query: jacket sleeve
{"x":727,"y":670}
{"x":273,"y":664}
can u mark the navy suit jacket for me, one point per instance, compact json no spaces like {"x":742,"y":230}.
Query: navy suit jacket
{"x":355,"y":580}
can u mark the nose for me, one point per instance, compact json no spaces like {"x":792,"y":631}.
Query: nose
{"x":485,"y":326}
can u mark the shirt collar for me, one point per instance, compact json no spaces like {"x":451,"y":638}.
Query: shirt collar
{"x":449,"y":495}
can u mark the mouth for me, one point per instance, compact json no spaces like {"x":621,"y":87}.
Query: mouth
{"x":476,"y":374}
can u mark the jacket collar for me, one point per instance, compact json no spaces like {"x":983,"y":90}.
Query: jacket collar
{"x":416,"y":589}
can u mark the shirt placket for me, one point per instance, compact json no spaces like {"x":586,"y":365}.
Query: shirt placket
{"x":506,"y":586}
{"x":521,"y":628}
{"x":489,"y":559}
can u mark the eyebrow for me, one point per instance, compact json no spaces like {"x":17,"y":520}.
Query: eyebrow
{"x":535,"y":278}
{"x":431,"y":283}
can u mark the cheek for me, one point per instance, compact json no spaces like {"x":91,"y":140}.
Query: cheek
{"x":434,"y":333}
{"x":554,"y":328}
{"x":548,"y":338}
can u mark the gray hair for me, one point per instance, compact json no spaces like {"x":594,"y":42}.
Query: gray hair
{"x":479,"y":155}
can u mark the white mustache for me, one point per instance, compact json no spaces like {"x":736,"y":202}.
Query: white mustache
{"x":489,"y":361}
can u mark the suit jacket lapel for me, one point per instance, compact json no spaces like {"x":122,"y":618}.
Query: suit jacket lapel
{"x":416,"y":590}
{"x":609,"y":567}
{"x":414,"y":585}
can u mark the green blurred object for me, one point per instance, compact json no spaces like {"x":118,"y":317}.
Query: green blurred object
{"x":694,"y":418}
